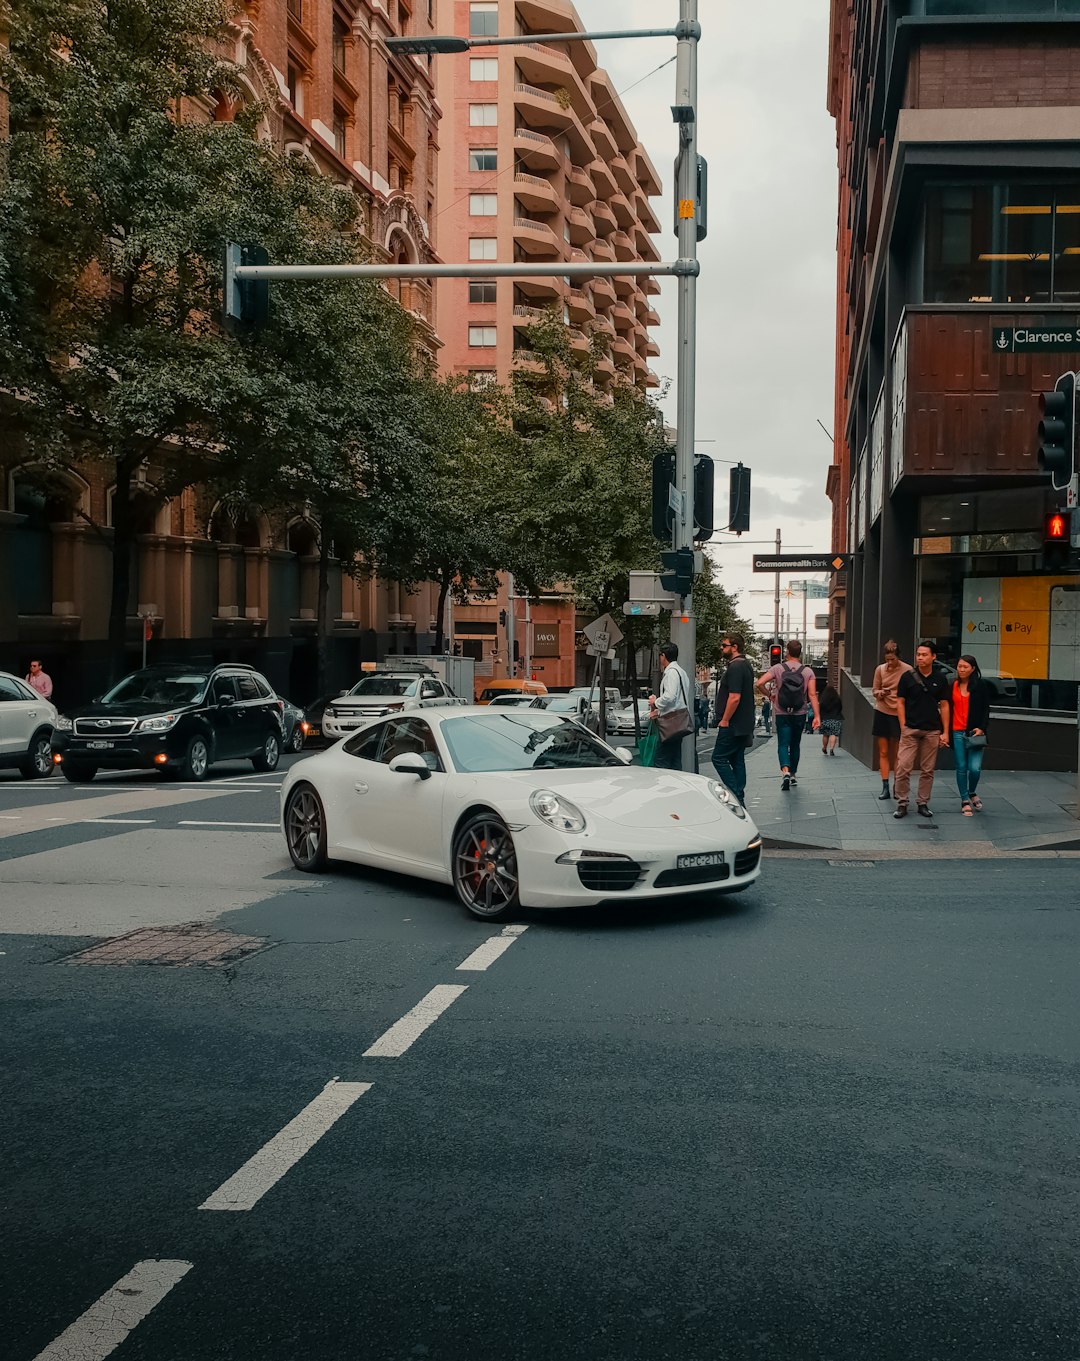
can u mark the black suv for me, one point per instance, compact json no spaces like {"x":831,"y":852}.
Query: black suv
{"x":176,"y":719}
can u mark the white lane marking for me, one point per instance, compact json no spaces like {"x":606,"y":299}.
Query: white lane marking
{"x":485,"y":955}
{"x":10,"y":817}
{"x":245,"y":1187}
{"x":402,"y":1034}
{"x":117,"y":822}
{"x":514,"y":930}
{"x":110,"y":1319}
{"x":194,"y":822}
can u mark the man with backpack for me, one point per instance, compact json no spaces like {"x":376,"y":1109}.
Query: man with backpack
{"x":792,"y":690}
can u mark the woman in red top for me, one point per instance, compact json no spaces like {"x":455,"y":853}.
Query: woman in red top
{"x":970,"y":709}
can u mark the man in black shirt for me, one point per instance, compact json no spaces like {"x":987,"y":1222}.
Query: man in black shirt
{"x":734,"y":716}
{"x":923,"y":709}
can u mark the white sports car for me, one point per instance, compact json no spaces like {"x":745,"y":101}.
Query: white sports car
{"x":515,"y":807}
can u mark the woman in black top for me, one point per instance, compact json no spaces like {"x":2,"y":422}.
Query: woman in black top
{"x":832,"y":720}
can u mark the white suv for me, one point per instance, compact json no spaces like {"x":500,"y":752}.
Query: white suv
{"x":381,"y":693}
{"x":26,"y":725}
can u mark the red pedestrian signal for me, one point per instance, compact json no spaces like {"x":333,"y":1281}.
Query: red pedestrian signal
{"x":776,"y":654}
{"x":1056,"y":526}
{"x":1057,"y":545}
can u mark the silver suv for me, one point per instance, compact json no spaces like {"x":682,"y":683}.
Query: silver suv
{"x":381,"y":693}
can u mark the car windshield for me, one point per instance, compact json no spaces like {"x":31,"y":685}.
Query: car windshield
{"x":563,"y":704}
{"x":385,"y":685}
{"x":156,"y":687}
{"x":524,"y":739}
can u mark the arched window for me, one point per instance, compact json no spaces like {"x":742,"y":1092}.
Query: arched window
{"x":302,"y":537}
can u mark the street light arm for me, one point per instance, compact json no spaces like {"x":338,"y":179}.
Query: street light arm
{"x":447,"y":44}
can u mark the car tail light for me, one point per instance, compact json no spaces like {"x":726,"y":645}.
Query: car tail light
{"x":305,"y":726}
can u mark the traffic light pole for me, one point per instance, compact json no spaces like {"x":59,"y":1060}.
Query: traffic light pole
{"x":684,"y":111}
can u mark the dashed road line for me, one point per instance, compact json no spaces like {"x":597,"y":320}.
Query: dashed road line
{"x":116,"y":822}
{"x":485,"y":955}
{"x":109,"y":1320}
{"x":262,"y":1171}
{"x":195,"y":822}
{"x":404,"y":1033}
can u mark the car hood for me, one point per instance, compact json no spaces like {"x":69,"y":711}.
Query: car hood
{"x":629,"y":796}
{"x":130,"y":709}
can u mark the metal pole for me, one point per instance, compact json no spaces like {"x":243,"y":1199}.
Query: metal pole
{"x":776,"y":596}
{"x":521,"y":41}
{"x":509,"y":625}
{"x":684,"y":111}
{"x":558,"y":270}
{"x":526,"y":670}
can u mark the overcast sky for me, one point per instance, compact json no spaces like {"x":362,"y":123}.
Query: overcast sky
{"x":766,"y":299}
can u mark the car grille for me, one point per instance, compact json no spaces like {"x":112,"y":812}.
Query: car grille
{"x":747,"y":860}
{"x":700,"y":874}
{"x":103,"y":727}
{"x":609,"y":876}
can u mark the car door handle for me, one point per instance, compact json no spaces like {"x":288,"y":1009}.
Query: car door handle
{"x":361,"y":788}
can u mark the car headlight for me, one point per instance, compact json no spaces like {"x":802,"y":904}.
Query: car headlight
{"x":722,"y":794}
{"x":159,"y":723}
{"x":557,"y":812}
{"x":62,"y":724}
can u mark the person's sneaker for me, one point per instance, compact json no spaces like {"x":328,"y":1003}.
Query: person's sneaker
{"x":794,"y":782}
{"x":924,"y":811}
{"x":785,"y":783}
{"x":901,"y":810}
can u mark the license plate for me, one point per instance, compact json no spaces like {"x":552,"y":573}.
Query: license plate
{"x":314,"y":732}
{"x":693,"y":862}
{"x":99,"y":746}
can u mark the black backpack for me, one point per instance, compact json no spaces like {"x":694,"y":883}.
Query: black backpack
{"x":791,"y":692}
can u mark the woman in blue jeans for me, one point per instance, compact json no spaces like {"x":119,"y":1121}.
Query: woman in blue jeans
{"x":969,"y":709}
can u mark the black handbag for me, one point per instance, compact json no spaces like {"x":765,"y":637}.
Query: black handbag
{"x":676,"y":722}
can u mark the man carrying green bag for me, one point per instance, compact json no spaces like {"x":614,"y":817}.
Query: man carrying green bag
{"x":649,"y":745}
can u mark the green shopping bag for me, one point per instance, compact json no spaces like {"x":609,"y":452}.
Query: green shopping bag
{"x":650,"y":745}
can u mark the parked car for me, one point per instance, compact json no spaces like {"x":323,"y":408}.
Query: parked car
{"x":26,"y":727}
{"x":513,"y":701}
{"x":381,"y":693}
{"x":313,"y":717}
{"x":515,"y":808}
{"x":573,"y":706}
{"x":620,"y":719}
{"x":176,"y":719}
{"x":510,"y":687}
{"x":294,"y":726}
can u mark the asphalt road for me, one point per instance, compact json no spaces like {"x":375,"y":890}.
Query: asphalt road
{"x":834,"y":1117}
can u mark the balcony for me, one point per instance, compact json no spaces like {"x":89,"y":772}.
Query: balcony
{"x":603,"y":179}
{"x":624,"y":247}
{"x":641,"y":369}
{"x":644,"y":210}
{"x":604,"y":371}
{"x":623,"y":317}
{"x":536,"y":150}
{"x":527,"y":317}
{"x":536,"y":238}
{"x":557,"y":16}
{"x":650,"y":286}
{"x":603,"y":293}
{"x":603,"y":140}
{"x":623,"y":176}
{"x":652,"y":350}
{"x":536,"y":195}
{"x":579,"y":187}
{"x":542,"y":65}
{"x":579,"y":341}
{"x":604,"y":219}
{"x":626,"y":285}
{"x":602,"y":251}
{"x":652,"y":379}
{"x":623,"y":213}
{"x":623,"y":352}
{"x":651,"y":317}
{"x":579,"y":305}
{"x":528,"y":361}
{"x":580,"y":226}
{"x":541,"y":290}
{"x":644,"y":244}
{"x":541,"y":108}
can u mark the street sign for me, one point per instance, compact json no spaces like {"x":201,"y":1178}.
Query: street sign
{"x":793,"y":562}
{"x":1058,"y":339}
{"x":642,"y":607}
{"x":608,"y":654}
{"x":645,"y":586}
{"x":821,"y":621}
{"x":604,"y":625}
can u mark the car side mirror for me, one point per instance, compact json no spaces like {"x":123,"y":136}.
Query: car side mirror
{"x":342,"y":692}
{"x":411,"y":763}
{"x":624,"y":755}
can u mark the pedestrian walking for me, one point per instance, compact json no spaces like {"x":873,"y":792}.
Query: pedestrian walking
{"x":832,"y":720}
{"x":886,"y":729}
{"x":701,"y":708}
{"x":734,"y":715}
{"x":792,"y":691}
{"x":766,"y":716}
{"x":39,"y":680}
{"x":671,"y":709}
{"x":922,"y":698}
{"x":969,"y":707}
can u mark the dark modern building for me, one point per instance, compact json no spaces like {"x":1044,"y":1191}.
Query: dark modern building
{"x":958,"y":301}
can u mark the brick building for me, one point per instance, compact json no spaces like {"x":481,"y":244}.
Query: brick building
{"x":214,"y":588}
{"x":958,"y":131}
{"x":539,"y":163}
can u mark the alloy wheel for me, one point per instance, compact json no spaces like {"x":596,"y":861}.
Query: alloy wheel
{"x":304,"y":829}
{"x":198,"y":758}
{"x":485,"y":868}
{"x":41,"y":758}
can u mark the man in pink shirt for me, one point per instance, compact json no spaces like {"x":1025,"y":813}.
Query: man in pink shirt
{"x":39,"y":680}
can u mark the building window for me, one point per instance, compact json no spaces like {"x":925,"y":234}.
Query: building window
{"x":483,"y":248}
{"x":483,"y":158}
{"x":483,"y":290}
{"x":482,"y":378}
{"x":484,"y":68}
{"x":296,"y":10}
{"x":294,"y":79}
{"x":483,"y":205}
{"x":483,"y":115}
{"x":1002,"y":242}
{"x":339,"y":45}
{"x":339,"y":134}
{"x":481,"y":335}
{"x":484,"y":19}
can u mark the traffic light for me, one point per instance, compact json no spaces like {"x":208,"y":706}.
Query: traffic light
{"x":502,"y":619}
{"x":739,"y":499}
{"x":703,"y":498}
{"x":663,"y":479}
{"x":1057,"y":431}
{"x":246,"y":301}
{"x":1056,"y":545}
{"x":776,"y":654}
{"x":677,"y":572}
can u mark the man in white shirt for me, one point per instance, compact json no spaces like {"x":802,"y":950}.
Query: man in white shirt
{"x":675,"y":693}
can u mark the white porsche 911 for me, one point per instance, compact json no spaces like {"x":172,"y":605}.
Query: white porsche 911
{"x":515,"y":807}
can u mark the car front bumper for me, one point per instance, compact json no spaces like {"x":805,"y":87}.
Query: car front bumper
{"x":147,"y":751}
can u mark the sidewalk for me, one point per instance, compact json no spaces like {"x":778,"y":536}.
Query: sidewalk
{"x":835,"y":807}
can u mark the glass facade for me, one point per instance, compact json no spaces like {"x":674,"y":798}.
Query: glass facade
{"x":1021,"y":8}
{"x":1002,"y":242}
